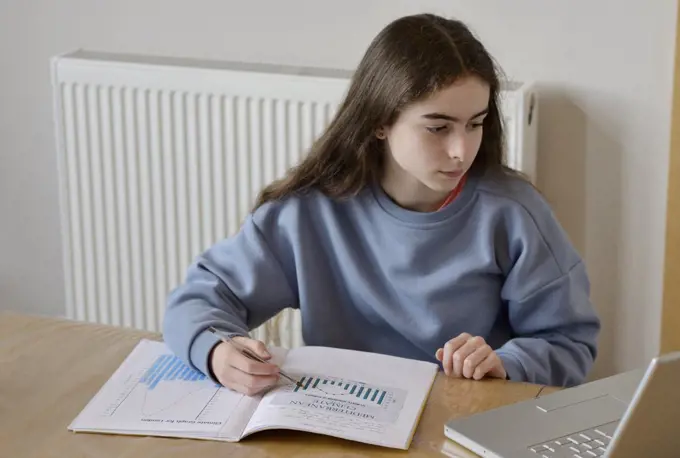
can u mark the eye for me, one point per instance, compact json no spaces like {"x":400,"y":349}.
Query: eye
{"x":436,"y":129}
{"x":475,"y":126}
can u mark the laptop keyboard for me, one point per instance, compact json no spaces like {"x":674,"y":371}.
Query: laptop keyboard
{"x":583,"y":444}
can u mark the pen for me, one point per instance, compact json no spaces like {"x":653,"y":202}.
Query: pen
{"x":246,"y":352}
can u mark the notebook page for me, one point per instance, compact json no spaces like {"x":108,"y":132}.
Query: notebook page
{"x":154,"y":393}
{"x":358,"y":396}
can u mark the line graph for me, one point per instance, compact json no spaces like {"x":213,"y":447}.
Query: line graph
{"x":155,"y":405}
{"x":168,"y":368}
{"x":178,"y":387}
{"x":155,"y":387}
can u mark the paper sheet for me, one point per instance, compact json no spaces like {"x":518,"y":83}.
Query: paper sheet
{"x":335,"y":397}
{"x":154,"y":392}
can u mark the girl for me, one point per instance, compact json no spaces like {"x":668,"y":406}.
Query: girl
{"x":401,"y":232}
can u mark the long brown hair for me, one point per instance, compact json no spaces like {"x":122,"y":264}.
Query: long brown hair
{"x":411,"y":58}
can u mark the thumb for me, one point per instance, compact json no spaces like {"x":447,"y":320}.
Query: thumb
{"x":439,"y":353}
{"x":256,"y":346}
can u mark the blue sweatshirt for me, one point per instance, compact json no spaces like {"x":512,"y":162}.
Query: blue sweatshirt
{"x":370,"y":275}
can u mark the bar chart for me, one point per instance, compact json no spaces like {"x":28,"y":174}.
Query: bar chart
{"x":169,"y":368}
{"x":333,"y":386}
{"x":337,"y":396}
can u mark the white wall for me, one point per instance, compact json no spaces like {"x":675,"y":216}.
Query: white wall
{"x":605,"y":68}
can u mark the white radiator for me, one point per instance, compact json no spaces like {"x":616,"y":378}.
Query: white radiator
{"x":160,"y":158}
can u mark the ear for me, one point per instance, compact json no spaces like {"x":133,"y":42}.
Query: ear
{"x":380,"y":133}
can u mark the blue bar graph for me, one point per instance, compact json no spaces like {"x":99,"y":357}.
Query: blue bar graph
{"x":169,"y":368}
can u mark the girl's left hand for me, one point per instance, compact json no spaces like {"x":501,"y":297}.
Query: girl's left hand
{"x":470,"y":357}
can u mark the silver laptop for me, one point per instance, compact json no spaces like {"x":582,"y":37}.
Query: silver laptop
{"x":633,"y":414}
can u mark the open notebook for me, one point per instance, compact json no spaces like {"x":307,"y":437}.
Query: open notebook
{"x":353,"y":395}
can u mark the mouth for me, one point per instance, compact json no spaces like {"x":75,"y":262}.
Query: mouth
{"x":452,"y":173}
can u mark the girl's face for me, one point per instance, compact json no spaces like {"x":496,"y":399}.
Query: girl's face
{"x":434,"y":142}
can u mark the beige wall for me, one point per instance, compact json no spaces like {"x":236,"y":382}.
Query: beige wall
{"x":606,"y":74}
{"x":670,"y":337}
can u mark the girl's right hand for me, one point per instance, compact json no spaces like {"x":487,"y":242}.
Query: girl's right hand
{"x":240,"y":373}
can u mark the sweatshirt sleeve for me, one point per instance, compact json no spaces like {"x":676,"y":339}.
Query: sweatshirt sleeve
{"x":235,"y":285}
{"x":547,"y":292}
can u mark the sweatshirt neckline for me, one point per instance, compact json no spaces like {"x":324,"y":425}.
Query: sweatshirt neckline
{"x":423,"y":218}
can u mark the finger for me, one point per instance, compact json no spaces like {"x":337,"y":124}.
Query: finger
{"x":486,"y":366}
{"x":463,"y":352}
{"x":450,"y":348}
{"x":256,"y":382}
{"x":236,"y":387}
{"x":248,"y":391}
{"x":256,"y":346}
{"x":439,"y":354}
{"x":250,"y":366}
{"x":475,"y":359}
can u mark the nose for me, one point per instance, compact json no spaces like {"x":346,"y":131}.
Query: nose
{"x":458,"y":147}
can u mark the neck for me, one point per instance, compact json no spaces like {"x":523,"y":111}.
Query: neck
{"x":411,"y":194}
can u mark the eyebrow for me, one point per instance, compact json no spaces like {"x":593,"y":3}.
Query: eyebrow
{"x":453,"y":118}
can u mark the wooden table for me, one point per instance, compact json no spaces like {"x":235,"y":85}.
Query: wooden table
{"x":50,"y":368}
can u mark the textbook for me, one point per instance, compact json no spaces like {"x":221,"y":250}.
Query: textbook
{"x":358,"y":396}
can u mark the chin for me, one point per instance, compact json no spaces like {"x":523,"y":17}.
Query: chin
{"x":446,"y":185}
{"x":439,"y":188}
